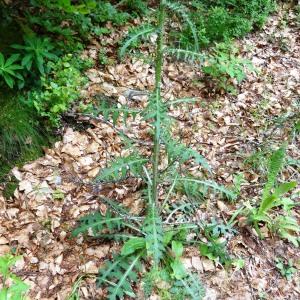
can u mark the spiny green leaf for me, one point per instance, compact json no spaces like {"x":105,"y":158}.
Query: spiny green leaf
{"x":97,"y":222}
{"x":154,"y":234}
{"x":182,"y":11}
{"x":121,"y":166}
{"x":138,"y":33}
{"x":194,"y":184}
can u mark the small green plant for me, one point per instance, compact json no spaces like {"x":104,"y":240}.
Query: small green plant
{"x":223,"y":65}
{"x":74,"y":294}
{"x":9,"y":70}
{"x":59,"y":89}
{"x":238,"y":180}
{"x":17,"y":289}
{"x":286,"y":270}
{"x":36,"y":51}
{"x":215,"y":248}
{"x":272,"y":196}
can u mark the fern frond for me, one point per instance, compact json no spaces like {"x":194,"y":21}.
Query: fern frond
{"x":154,"y":234}
{"x":121,"y":166}
{"x":97,"y":223}
{"x":182,"y":11}
{"x":193,"y":187}
{"x":275,"y":165}
{"x":119,"y":274}
{"x":138,"y":33}
{"x":186,"y":55}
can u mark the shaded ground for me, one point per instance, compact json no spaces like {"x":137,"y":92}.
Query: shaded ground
{"x":54,"y":190}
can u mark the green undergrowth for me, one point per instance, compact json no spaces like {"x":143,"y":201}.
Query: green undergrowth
{"x":21,"y":135}
{"x":223,"y":20}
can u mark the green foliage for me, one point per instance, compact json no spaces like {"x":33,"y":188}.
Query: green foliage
{"x":119,"y":275}
{"x":286,"y":270}
{"x":218,"y":21}
{"x":138,"y":33}
{"x":223,"y":65}
{"x":136,"y":6}
{"x":215,"y":248}
{"x":59,"y":89}
{"x":120,"y":167}
{"x":21,"y":135}
{"x":36,"y":50}
{"x":81,"y":20}
{"x":187,"y":288}
{"x":17,"y":288}
{"x":97,"y":223}
{"x":112,"y":111}
{"x":9,"y":69}
{"x":272,"y":196}
{"x":154,"y":235}
{"x":195,"y":188}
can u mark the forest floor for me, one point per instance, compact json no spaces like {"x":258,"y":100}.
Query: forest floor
{"x":55,"y":190}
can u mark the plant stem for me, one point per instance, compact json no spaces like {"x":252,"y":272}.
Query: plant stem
{"x":157,"y":94}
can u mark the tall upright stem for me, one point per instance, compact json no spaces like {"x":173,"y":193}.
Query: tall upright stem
{"x":157,"y":91}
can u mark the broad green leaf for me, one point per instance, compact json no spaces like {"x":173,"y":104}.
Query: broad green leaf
{"x":132,"y":245}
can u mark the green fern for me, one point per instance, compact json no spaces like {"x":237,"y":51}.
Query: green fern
{"x":138,"y":33}
{"x":119,"y":275}
{"x":121,"y":166}
{"x":154,"y":235}
{"x":275,"y":165}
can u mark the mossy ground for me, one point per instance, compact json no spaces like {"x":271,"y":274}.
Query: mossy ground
{"x":22,"y":135}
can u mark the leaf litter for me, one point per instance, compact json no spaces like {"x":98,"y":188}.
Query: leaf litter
{"x":56,"y":189}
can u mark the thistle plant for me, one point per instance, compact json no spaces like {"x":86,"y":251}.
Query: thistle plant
{"x":151,"y":240}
